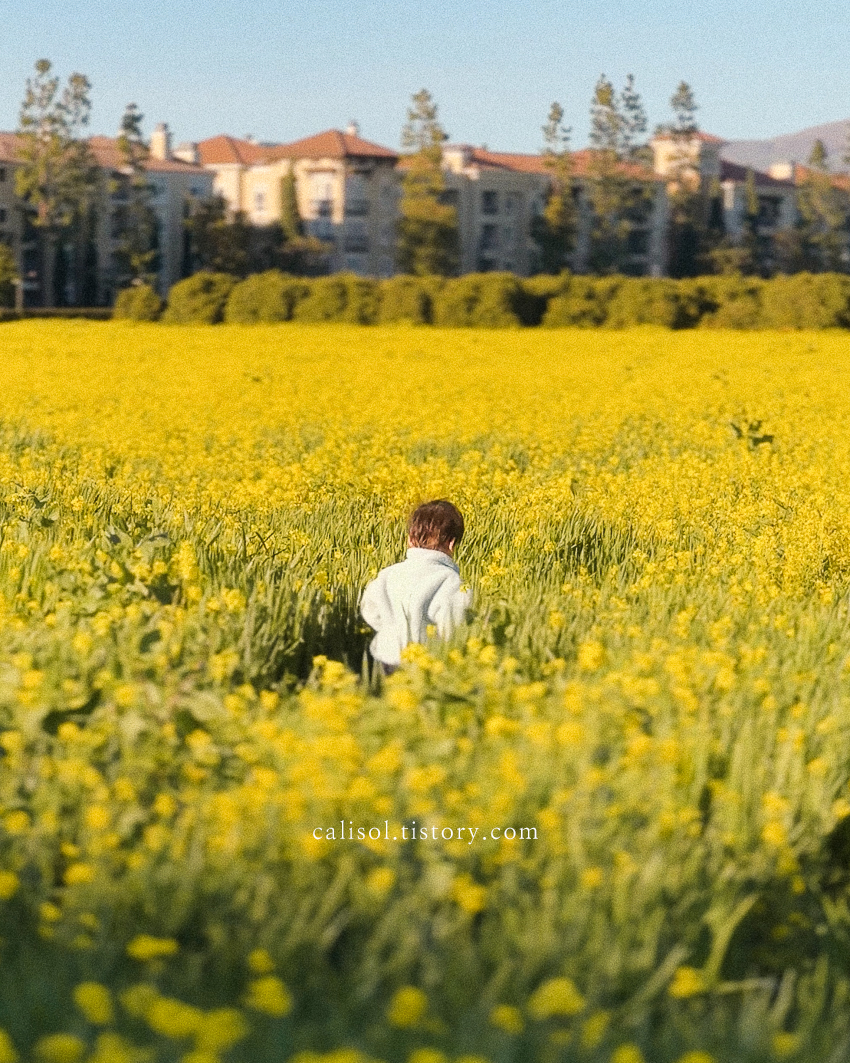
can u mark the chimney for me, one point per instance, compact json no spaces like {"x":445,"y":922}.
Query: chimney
{"x":161,"y":142}
{"x":353,"y":129}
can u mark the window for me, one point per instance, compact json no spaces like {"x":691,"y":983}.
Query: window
{"x":356,"y":196}
{"x":322,"y":229}
{"x":4,"y":214}
{"x":638,"y":241}
{"x":449,"y":197}
{"x":260,"y":201}
{"x":510,"y":202}
{"x":489,"y":202}
{"x":356,"y":239}
{"x":2,"y":174}
{"x":770,"y":209}
{"x":489,"y":237}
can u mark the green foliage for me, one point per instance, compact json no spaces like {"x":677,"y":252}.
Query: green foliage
{"x":343,"y":297}
{"x":8,"y":275}
{"x":502,"y":300}
{"x":639,"y":301}
{"x":584,"y":303}
{"x":731,"y":302}
{"x":264,"y":297}
{"x":806,"y":301}
{"x":57,"y":177}
{"x":139,"y":302}
{"x":405,"y":298}
{"x":823,"y":209}
{"x":428,"y":227}
{"x":199,"y":300}
{"x":619,"y":195}
{"x":291,"y":224}
{"x":135,"y":218}
{"x":554,"y":231}
{"x":484,"y":300}
{"x":219,"y":244}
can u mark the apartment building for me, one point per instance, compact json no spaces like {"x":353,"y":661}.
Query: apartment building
{"x":347,"y":190}
{"x":699,"y":161}
{"x":176,"y":188}
{"x":499,"y":194}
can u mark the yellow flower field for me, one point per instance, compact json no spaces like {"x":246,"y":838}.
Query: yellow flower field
{"x":608,"y":822}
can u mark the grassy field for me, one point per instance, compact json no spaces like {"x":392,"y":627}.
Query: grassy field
{"x":610,"y":821}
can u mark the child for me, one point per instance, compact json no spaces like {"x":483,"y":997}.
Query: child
{"x":404,"y":599}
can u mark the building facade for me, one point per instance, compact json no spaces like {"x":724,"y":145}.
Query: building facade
{"x":87,"y":267}
{"x":347,"y":190}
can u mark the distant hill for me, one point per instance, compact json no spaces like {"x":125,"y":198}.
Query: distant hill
{"x":791,"y":147}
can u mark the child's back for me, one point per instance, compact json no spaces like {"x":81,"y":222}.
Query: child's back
{"x":423,"y":590}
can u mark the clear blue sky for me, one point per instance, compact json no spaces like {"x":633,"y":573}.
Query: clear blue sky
{"x":280,"y":69}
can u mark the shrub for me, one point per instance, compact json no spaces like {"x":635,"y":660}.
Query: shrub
{"x":805,"y":300}
{"x":406,"y":298}
{"x":731,"y":302}
{"x":138,"y":303}
{"x":486,"y":300}
{"x":362,"y":298}
{"x":199,"y":300}
{"x":265,"y":297}
{"x":583,"y":303}
{"x":325,"y":300}
{"x":644,"y":301}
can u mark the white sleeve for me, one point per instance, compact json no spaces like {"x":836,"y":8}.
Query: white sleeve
{"x":370,"y":604}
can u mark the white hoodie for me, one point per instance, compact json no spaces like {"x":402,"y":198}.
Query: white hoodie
{"x":405,"y":598}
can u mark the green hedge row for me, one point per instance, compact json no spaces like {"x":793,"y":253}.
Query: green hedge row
{"x":502,"y":300}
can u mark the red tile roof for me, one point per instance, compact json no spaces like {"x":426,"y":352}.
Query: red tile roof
{"x":224,"y":149}
{"x":106,"y":153}
{"x":839,"y":180}
{"x":517,"y":162}
{"x":332,"y":144}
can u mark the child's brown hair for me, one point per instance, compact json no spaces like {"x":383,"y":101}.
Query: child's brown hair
{"x":434,"y":525}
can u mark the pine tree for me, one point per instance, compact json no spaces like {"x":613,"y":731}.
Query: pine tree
{"x":620,"y":200}
{"x":218,"y":243}
{"x":56,"y":178}
{"x":137,"y":224}
{"x":689,"y":202}
{"x":291,"y":223}
{"x":823,"y":211}
{"x":554,"y":231}
{"x":428,"y":227}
